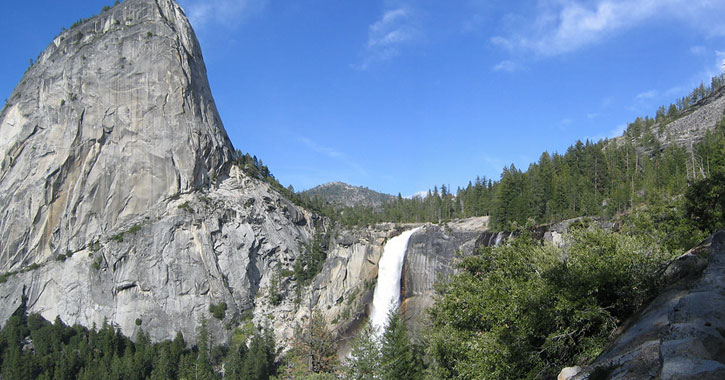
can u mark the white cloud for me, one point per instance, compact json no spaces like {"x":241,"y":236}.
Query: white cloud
{"x":395,"y":29}
{"x":506,"y":66}
{"x":225,"y":13}
{"x":563,"y":26}
{"x":651,"y":94}
{"x":421,"y":194}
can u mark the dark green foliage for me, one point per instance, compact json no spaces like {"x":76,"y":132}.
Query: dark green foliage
{"x":706,"y":202}
{"x":95,"y":246}
{"x":313,"y":257}
{"x":185,"y":206}
{"x":275,"y":297}
{"x":134,"y":229}
{"x":524,"y":311}
{"x":64,"y":352}
{"x":253,"y":167}
{"x":705,"y":199}
{"x":218,"y":310}
{"x":400,"y":359}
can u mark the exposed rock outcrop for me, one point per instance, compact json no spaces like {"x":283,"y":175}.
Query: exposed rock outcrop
{"x":115,"y":116}
{"x":430,"y":258}
{"x":680,"y":334}
{"x":221,"y":245}
{"x":118,"y":195}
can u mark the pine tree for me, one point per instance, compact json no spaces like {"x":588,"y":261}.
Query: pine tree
{"x":203,"y":370}
{"x":365,"y":357}
{"x":400,"y":359}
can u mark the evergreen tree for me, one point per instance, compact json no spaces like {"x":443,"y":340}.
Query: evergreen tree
{"x":400,"y":359}
{"x":365,"y":357}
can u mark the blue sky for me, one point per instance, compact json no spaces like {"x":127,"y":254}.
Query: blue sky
{"x":402,"y":95}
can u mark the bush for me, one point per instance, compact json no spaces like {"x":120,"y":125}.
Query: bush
{"x":524,"y":310}
{"x":706,"y":202}
{"x":219,"y":310}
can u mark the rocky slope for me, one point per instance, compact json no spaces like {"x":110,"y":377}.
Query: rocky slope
{"x":342,"y":194}
{"x":692,"y":125}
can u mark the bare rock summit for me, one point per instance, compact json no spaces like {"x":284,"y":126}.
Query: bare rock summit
{"x":115,"y":116}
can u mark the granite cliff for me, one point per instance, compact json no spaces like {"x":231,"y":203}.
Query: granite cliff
{"x":118,"y":194}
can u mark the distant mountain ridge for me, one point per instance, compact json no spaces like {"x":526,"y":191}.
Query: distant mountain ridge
{"x":343,"y":194}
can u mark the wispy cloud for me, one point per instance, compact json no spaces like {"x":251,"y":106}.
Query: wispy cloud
{"x":564,"y":26}
{"x":225,"y":13}
{"x":387,"y":36}
{"x":646,"y":95}
{"x":332,"y":154}
{"x":565,"y":123}
{"x":506,"y":66}
{"x":698,"y":50}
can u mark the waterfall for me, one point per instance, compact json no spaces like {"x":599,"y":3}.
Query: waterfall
{"x":390,"y":270}
{"x":499,"y":237}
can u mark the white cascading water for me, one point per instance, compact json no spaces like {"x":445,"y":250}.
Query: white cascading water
{"x":390,"y":270}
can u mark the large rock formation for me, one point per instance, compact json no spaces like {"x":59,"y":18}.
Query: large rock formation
{"x":120,"y":199}
{"x":118,"y":196}
{"x":430,"y":258}
{"x":115,"y":116}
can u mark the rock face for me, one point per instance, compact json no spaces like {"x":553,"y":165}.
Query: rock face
{"x":118,"y":198}
{"x":115,"y":116}
{"x":681,"y":334}
{"x":691,"y":128}
{"x":219,"y":245}
{"x":430,"y":258}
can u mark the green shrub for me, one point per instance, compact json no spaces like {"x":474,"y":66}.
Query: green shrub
{"x":219,"y":310}
{"x":523,"y":310}
{"x":97,"y":262}
{"x":185,"y":206}
{"x":134,"y":229}
{"x":118,"y":238}
{"x":706,"y":202}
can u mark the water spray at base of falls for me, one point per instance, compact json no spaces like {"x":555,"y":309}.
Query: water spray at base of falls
{"x":390,"y":270}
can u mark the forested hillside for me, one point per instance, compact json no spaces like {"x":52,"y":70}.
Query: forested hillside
{"x":604,"y":178}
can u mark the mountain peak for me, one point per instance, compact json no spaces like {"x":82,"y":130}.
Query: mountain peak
{"x":115,"y":115}
{"x":344,"y":194}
